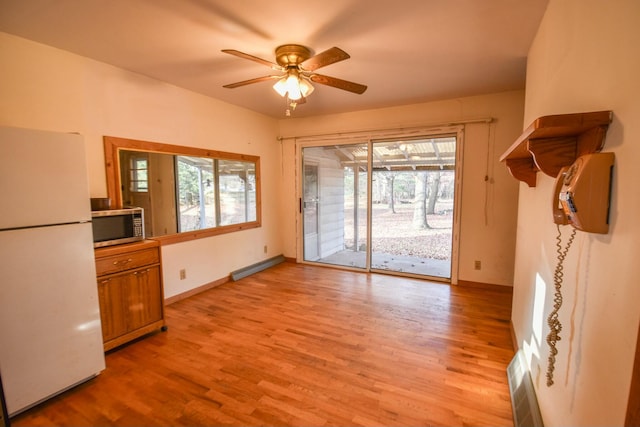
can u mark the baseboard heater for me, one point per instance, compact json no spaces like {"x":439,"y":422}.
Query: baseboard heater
{"x":254,"y":268}
{"x":526,"y":412}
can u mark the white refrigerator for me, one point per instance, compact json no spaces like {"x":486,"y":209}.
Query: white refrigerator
{"x":50,"y":331}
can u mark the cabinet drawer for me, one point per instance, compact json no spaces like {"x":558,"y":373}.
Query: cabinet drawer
{"x":126,"y":261}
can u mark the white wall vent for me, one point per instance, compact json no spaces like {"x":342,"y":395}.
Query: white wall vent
{"x":526,"y":412}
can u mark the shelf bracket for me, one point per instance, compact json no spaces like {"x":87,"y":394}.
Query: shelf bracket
{"x":523,"y":169}
{"x":552,"y":154}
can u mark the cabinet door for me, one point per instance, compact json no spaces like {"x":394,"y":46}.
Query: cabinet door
{"x":144,"y":297}
{"x":112,"y":306}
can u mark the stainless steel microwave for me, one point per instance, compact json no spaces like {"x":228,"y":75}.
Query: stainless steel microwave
{"x":117,"y":226}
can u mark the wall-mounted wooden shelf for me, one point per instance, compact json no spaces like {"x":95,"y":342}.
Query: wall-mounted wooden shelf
{"x":552,"y":142}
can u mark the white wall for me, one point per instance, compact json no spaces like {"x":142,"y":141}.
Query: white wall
{"x":50,"y":89}
{"x":488,"y":207}
{"x":584,"y":58}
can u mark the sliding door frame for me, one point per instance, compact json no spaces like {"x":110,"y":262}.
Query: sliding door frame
{"x":457,"y":205}
{"x":358,"y":138}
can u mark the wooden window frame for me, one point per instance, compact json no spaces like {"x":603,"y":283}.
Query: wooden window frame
{"x":112,"y":147}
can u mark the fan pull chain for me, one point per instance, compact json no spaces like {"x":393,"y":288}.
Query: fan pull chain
{"x":554,"y":324}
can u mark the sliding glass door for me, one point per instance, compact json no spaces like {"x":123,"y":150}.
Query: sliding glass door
{"x":384,"y":205}
{"x":310,"y":212}
{"x":334,"y":204}
{"x":412,"y":210}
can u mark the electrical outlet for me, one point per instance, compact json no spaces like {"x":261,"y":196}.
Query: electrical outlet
{"x":265,"y":249}
{"x":478,"y":265}
{"x":183,"y":274}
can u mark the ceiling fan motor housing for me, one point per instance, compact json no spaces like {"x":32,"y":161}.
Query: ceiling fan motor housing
{"x":292,"y":55}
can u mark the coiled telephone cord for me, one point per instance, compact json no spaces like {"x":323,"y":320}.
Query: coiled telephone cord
{"x":554,"y":324}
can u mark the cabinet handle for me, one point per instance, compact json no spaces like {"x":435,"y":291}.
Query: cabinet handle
{"x":141,"y":272}
{"x":124,"y":261}
{"x":105,"y":281}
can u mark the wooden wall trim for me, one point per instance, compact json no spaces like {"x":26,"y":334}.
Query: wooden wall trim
{"x":489,"y":286}
{"x":514,"y":338}
{"x":633,"y":405}
{"x":196,"y":291}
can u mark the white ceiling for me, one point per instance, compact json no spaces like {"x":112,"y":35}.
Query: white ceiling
{"x":405,"y":51}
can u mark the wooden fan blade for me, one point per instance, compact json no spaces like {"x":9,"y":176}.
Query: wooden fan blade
{"x":338,"y":83}
{"x":253,"y":58}
{"x":248,"y":82}
{"x":329,"y":56}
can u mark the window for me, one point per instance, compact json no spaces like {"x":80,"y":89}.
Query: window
{"x":138,"y":175}
{"x":186,"y":193}
{"x":196,"y":193}
{"x":237,"y":192}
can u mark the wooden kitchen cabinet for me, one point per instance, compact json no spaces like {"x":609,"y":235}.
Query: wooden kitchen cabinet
{"x":130,"y":291}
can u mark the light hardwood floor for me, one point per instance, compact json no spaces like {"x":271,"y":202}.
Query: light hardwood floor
{"x":309,"y":346}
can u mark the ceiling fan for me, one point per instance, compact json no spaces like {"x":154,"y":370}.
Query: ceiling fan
{"x":298,"y":66}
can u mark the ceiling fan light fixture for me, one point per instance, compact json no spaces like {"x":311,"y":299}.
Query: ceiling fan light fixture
{"x":293,"y":87}
{"x":306,"y":88}
{"x":281,"y":86}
